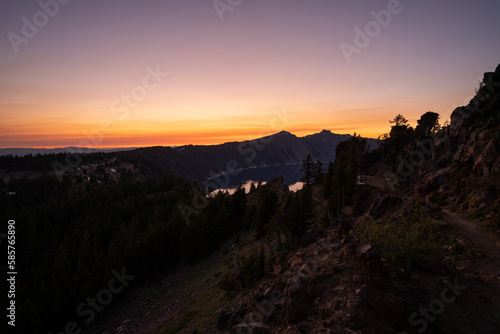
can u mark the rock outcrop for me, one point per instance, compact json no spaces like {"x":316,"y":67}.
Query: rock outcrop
{"x":464,"y":168}
{"x":331,"y":286}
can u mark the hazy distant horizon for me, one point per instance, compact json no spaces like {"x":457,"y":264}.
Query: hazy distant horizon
{"x":97,"y":148}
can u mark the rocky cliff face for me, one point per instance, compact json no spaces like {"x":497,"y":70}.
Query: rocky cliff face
{"x":331,"y":286}
{"x":464,"y":169}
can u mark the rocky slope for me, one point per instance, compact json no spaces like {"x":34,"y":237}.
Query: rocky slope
{"x":464,"y":169}
{"x":335,"y":286}
{"x":331,"y":286}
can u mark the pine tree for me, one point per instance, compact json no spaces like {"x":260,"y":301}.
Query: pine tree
{"x":265,"y":209}
{"x":309,"y":170}
{"x":327,"y":182}
{"x":399,"y":120}
{"x":319,"y":172}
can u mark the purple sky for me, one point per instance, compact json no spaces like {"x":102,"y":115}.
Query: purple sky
{"x":85,"y":77}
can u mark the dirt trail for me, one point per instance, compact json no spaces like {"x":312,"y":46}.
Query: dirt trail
{"x":476,"y":266}
{"x":484,"y":251}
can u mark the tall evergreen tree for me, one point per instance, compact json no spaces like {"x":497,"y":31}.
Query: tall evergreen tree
{"x":309,"y":169}
{"x":265,"y":209}
{"x":327,"y":181}
{"x":319,"y":172}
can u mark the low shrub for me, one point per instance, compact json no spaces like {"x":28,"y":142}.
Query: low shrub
{"x":407,"y":240}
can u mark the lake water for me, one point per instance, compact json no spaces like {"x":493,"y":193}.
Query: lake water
{"x":291,"y":174}
{"x":293,"y":187}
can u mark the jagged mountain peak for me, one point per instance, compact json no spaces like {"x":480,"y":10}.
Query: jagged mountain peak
{"x":279,"y":149}
{"x":284,"y":134}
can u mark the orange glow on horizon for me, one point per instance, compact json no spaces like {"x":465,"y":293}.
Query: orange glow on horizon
{"x":162,"y":139}
{"x":140,"y":129}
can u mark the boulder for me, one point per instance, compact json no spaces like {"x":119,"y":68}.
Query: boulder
{"x":434,"y":207}
{"x":231,"y":316}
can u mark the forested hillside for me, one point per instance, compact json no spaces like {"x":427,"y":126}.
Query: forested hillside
{"x":72,"y":234}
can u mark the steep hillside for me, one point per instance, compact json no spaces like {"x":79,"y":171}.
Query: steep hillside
{"x":344,"y":287}
{"x":464,"y":169}
{"x":331,"y":286}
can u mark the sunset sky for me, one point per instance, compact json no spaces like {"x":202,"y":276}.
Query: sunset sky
{"x":94,"y":72}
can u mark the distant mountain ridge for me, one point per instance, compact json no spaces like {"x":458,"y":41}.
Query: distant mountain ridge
{"x":223,"y":165}
{"x":70,"y":149}
{"x":205,"y":162}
